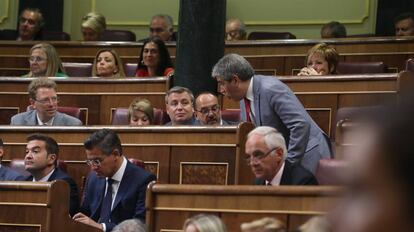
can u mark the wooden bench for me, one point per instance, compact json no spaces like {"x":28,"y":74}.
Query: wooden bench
{"x":168,"y":206}
{"x":281,"y":57}
{"x":193,"y":155}
{"x":97,"y":96}
{"x":37,"y":207}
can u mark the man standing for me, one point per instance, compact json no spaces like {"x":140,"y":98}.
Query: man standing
{"x":266,"y":101}
{"x":41,"y":161}
{"x":404,"y":24}
{"x":179,"y":103}
{"x":44,"y":102}
{"x":7,"y":173}
{"x":115,"y":190}
{"x":266,"y":153}
{"x":208,"y":110}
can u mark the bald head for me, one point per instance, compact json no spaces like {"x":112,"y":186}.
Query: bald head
{"x":208,"y":109}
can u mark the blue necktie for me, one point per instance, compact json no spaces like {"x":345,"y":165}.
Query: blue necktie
{"x":106,"y":203}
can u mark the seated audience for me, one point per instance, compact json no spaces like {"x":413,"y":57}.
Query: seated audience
{"x":140,"y":112}
{"x":41,"y":160}
{"x":154,"y":59}
{"x":204,"y":223}
{"x":380,"y":190}
{"x":6,"y":173}
{"x":107,"y":63}
{"x":161,"y":26}
{"x":31,"y":25}
{"x":404,"y":24}
{"x":124,"y":183}
{"x":315,"y":224}
{"x":266,"y":155}
{"x":333,"y":30}
{"x":131,"y":225}
{"x":93,"y":25}
{"x":235,"y":30}
{"x":180,"y":106}
{"x":44,"y":103}
{"x":45,"y":62}
{"x":208,"y":110}
{"x":266,"y":224}
{"x":321,"y":59}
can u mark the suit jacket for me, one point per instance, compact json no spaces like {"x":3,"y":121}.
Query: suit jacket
{"x":129,"y":201}
{"x":294,"y":174}
{"x":29,"y":118}
{"x":191,"y":122}
{"x":74,"y":194}
{"x":8,"y":174}
{"x":276,"y":105}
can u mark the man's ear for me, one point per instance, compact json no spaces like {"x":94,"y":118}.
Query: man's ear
{"x":236,"y":79}
{"x":32,"y":103}
{"x":279,"y":153}
{"x":52,"y":158}
{"x":1,"y":153}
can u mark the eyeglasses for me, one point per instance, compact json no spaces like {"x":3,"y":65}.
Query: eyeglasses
{"x":258,"y":155}
{"x":36,"y":59}
{"x":48,"y":100}
{"x":207,"y":110}
{"x":94,"y":162}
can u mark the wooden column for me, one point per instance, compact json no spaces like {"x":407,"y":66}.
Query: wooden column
{"x":200,"y":43}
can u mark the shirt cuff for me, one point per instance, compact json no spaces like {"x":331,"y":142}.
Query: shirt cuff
{"x":103,"y":227}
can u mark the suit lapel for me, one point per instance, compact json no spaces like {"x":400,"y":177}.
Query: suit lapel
{"x":286,"y":177}
{"x":53,"y":176}
{"x":31,"y":120}
{"x":100,"y":187}
{"x":256,"y":94}
{"x":123,"y":186}
{"x":2,"y":173}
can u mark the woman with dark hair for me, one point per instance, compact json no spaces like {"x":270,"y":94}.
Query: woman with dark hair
{"x":154,"y":59}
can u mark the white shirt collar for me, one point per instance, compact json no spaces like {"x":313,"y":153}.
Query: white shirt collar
{"x":120,"y":173}
{"x":45,"y":178}
{"x":48,"y":123}
{"x":249,"y":94}
{"x":278,"y":177}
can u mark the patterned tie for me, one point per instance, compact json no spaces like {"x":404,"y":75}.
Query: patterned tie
{"x":107,"y":203}
{"x":247,"y":106}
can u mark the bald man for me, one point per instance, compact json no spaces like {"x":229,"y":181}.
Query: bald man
{"x":208,"y":110}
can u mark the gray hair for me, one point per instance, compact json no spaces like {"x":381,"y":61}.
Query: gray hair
{"x":179,"y":89}
{"x":168,"y":19}
{"x":271,"y":137}
{"x":242,"y":26}
{"x":233,"y":64}
{"x":131,"y":225}
{"x":95,"y":21}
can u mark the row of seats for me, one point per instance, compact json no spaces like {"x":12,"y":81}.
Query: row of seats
{"x":85,"y":69}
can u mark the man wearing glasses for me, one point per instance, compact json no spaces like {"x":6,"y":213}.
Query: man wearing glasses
{"x":115,"y":189}
{"x":266,"y":155}
{"x":41,"y":160}
{"x":44,"y":103}
{"x":208,"y":110}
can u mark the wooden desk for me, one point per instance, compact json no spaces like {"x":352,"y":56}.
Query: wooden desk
{"x":98,"y":96}
{"x":322,"y":96}
{"x":37,"y":207}
{"x":204,"y":155}
{"x":168,"y":206}
{"x":274,"y":56}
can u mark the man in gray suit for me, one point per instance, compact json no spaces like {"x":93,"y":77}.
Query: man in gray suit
{"x":44,"y":103}
{"x":7,"y":173}
{"x":266,"y":101}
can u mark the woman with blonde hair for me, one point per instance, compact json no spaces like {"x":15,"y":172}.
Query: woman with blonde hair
{"x":321,"y":59}
{"x":107,"y":63}
{"x":140,"y":112}
{"x":204,"y":223}
{"x":93,"y":25}
{"x":45,"y":62}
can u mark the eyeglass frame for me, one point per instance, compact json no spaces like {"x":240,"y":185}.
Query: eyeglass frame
{"x":36,"y":59}
{"x":249,"y":159}
{"x":48,"y":100}
{"x":215,"y":108}
{"x":97,"y":162}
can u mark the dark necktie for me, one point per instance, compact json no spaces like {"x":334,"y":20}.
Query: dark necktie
{"x":106,"y":203}
{"x":247,"y":106}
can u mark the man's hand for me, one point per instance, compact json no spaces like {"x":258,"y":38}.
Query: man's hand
{"x":80,"y":217}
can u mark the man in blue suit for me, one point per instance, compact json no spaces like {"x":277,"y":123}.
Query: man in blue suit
{"x":7,"y":173}
{"x":266,"y":101}
{"x":115,"y":190}
{"x":41,"y":161}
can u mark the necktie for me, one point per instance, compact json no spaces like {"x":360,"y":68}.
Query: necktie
{"x":247,"y":106}
{"x":107,"y":203}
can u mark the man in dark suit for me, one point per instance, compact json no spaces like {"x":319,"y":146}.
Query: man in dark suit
{"x":266,"y":101}
{"x":31,"y":24}
{"x":115,"y":190}
{"x":44,"y":102}
{"x":7,"y":173}
{"x":208,"y":110}
{"x":266,"y":153}
{"x":41,"y":161}
{"x":179,"y":103}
